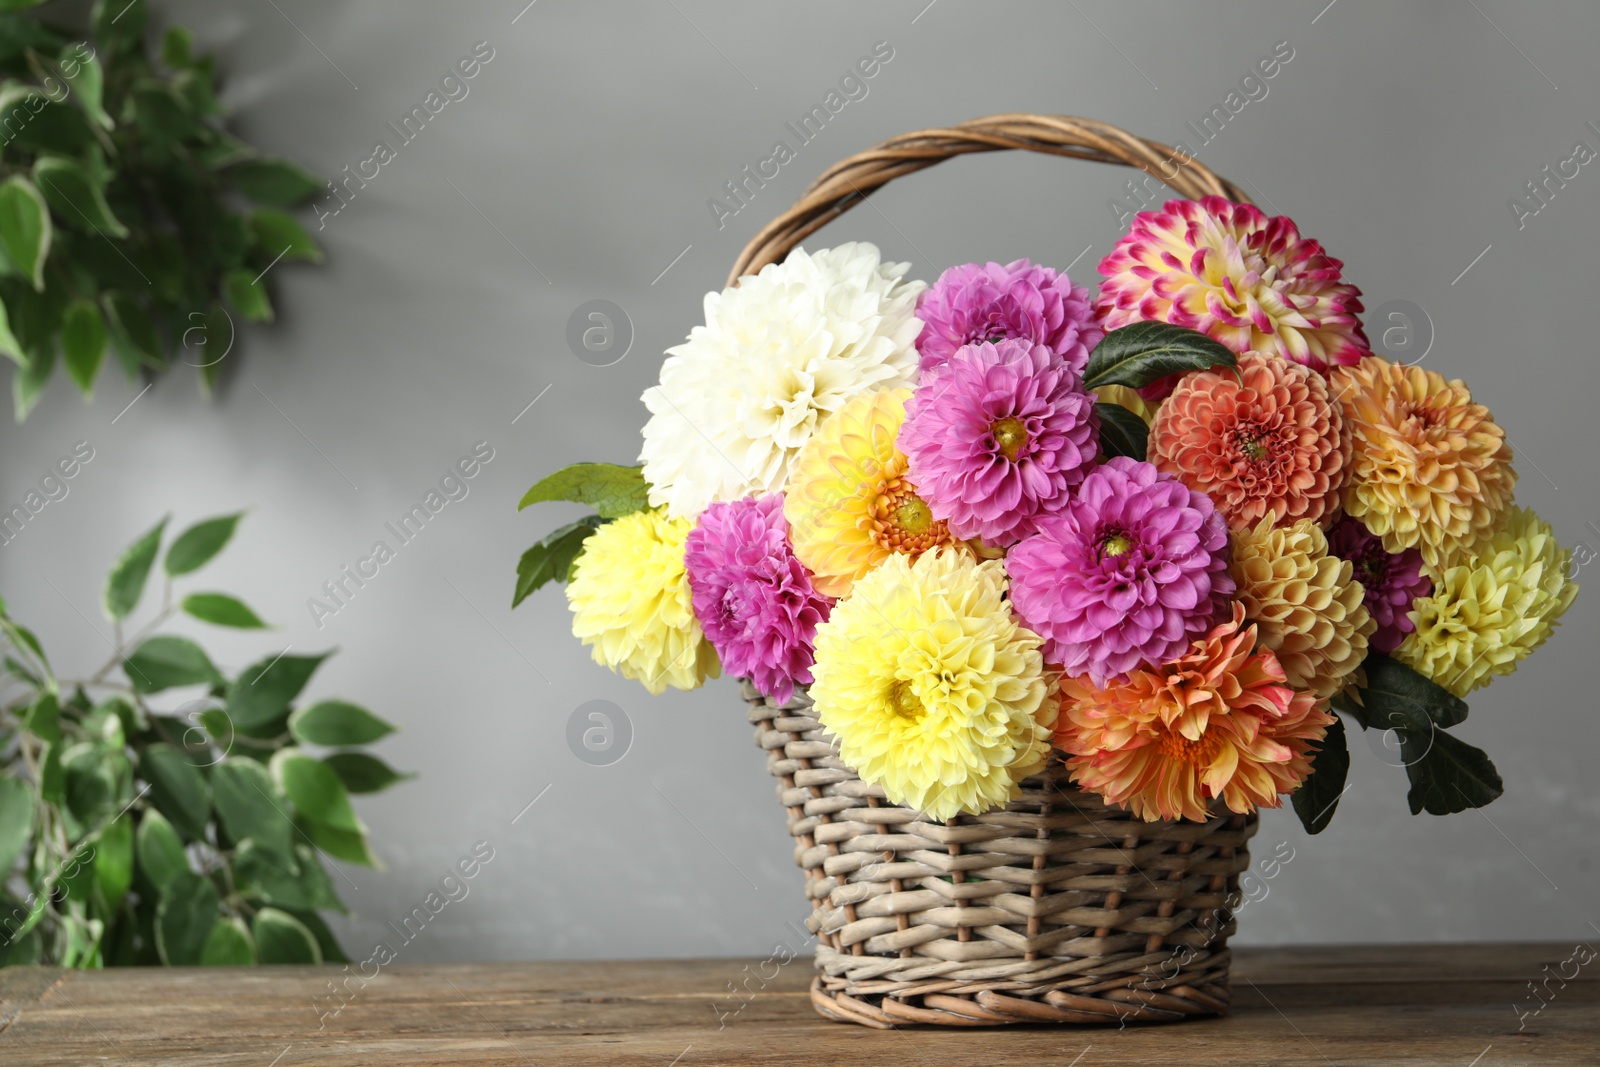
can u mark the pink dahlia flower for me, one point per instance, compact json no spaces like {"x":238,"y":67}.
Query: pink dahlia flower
{"x":1391,"y":581}
{"x":753,"y":598}
{"x":1132,"y":570}
{"x":1229,"y":271}
{"x":996,"y":436}
{"x":988,"y":302}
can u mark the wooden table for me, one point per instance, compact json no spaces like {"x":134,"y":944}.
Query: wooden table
{"x":1450,"y":1005}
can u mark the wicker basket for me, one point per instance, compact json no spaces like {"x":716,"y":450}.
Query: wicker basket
{"x":1058,"y":908}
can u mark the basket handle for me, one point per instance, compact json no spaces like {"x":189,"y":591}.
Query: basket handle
{"x":846,"y":183}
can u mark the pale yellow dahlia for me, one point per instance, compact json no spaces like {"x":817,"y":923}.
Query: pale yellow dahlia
{"x":1123,"y":396}
{"x":931,"y":687}
{"x":630,"y":599}
{"x":1432,"y":471}
{"x":1489,"y":612}
{"x":849,"y":503}
{"x":1305,"y":603}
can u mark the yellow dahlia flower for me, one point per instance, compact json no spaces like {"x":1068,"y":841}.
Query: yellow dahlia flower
{"x":1432,"y":471}
{"x":630,"y":599}
{"x":1305,"y":602}
{"x":931,"y":687}
{"x":1489,"y":612}
{"x":849,"y":504}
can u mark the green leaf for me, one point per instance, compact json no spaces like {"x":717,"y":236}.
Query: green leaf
{"x":177,"y":48}
{"x":178,"y":789}
{"x":315,"y":790}
{"x":1447,"y":774}
{"x":90,"y":782}
{"x":281,"y":938}
{"x":200,"y":543}
{"x":348,"y":845}
{"x":272,"y":181}
{"x":30,"y":381}
{"x":274,"y":878}
{"x":331,"y":952}
{"x":229,"y":944}
{"x":25,"y":229}
{"x":119,"y":23}
{"x":362,"y":773}
{"x":44,"y":717}
{"x":551,"y":559}
{"x":1318,"y":796}
{"x":1397,"y":697}
{"x":159,"y":849}
{"x":335,"y":723}
{"x":138,"y":343}
{"x":9,"y":345}
{"x":75,"y":197}
{"x":262,"y":693}
{"x":166,"y":661}
{"x":125,"y":583}
{"x":244,"y":795}
{"x":613,"y":491}
{"x":1144,"y":352}
{"x":83,"y":343}
{"x":248,"y":296}
{"x":184,"y":918}
{"x":16,"y":822}
{"x":221,"y":610}
{"x":277,"y":233}
{"x":88,"y":81}
{"x":52,"y":779}
{"x":113,"y":862}
{"x":1122,"y":433}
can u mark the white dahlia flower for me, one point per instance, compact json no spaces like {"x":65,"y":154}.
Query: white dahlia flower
{"x":778,"y":353}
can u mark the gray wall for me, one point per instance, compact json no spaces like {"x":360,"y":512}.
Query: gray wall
{"x":592,"y":141}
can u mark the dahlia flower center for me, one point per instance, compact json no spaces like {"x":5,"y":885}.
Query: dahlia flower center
{"x":1010,"y":436}
{"x":903,"y":701}
{"x":903,"y":522}
{"x":1252,"y":447}
{"x":1114,"y":543}
{"x":1180,"y":749}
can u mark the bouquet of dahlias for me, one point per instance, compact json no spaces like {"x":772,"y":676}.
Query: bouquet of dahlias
{"x":1164,"y":531}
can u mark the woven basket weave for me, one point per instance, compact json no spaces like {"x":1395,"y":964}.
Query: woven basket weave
{"x":1057,"y":908}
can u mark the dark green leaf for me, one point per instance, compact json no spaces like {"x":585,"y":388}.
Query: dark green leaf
{"x":335,"y":723}
{"x":315,"y":790}
{"x":273,"y":878}
{"x":87,"y":78}
{"x":184,"y":918}
{"x":348,"y":845}
{"x":200,"y":543}
{"x":16,"y":822}
{"x":1122,"y":433}
{"x":30,"y":381}
{"x":90,"y":782}
{"x":44,"y":717}
{"x":1318,"y":796}
{"x":178,"y":789}
{"x":1447,"y":774}
{"x":262,"y":693}
{"x":272,"y":181}
{"x":177,"y":48}
{"x":1397,"y":697}
{"x":76,"y":198}
{"x":113,"y":862}
{"x":319,"y":887}
{"x":1144,"y":352}
{"x":362,"y":773}
{"x":166,"y":661}
{"x":138,"y":343}
{"x":613,"y":491}
{"x":119,"y":24}
{"x":278,"y":234}
{"x":83,"y":343}
{"x":551,"y":559}
{"x":159,"y":849}
{"x":10,"y":347}
{"x":59,"y":128}
{"x":52,"y":780}
{"x":228,"y":945}
{"x":221,"y":610}
{"x":331,"y":952}
{"x":248,"y":295}
{"x":125,"y":583}
{"x":25,"y":229}
{"x":244,"y":795}
{"x":281,"y":938}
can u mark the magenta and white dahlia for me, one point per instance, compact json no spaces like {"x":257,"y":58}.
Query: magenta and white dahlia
{"x":987,"y":302}
{"x":753,"y":598}
{"x":1247,"y":280}
{"x":1132,"y":570}
{"x":996,"y":436}
{"x":1392,"y":581}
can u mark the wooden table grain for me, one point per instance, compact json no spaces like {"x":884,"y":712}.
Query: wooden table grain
{"x":1444,"y":1005}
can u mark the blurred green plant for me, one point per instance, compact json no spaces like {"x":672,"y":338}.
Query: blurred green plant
{"x":132,"y":835}
{"x":130,"y":220}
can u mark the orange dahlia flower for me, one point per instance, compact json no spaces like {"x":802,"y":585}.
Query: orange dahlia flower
{"x":1217,"y":722}
{"x":1430,"y":470}
{"x":1275,"y":441}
